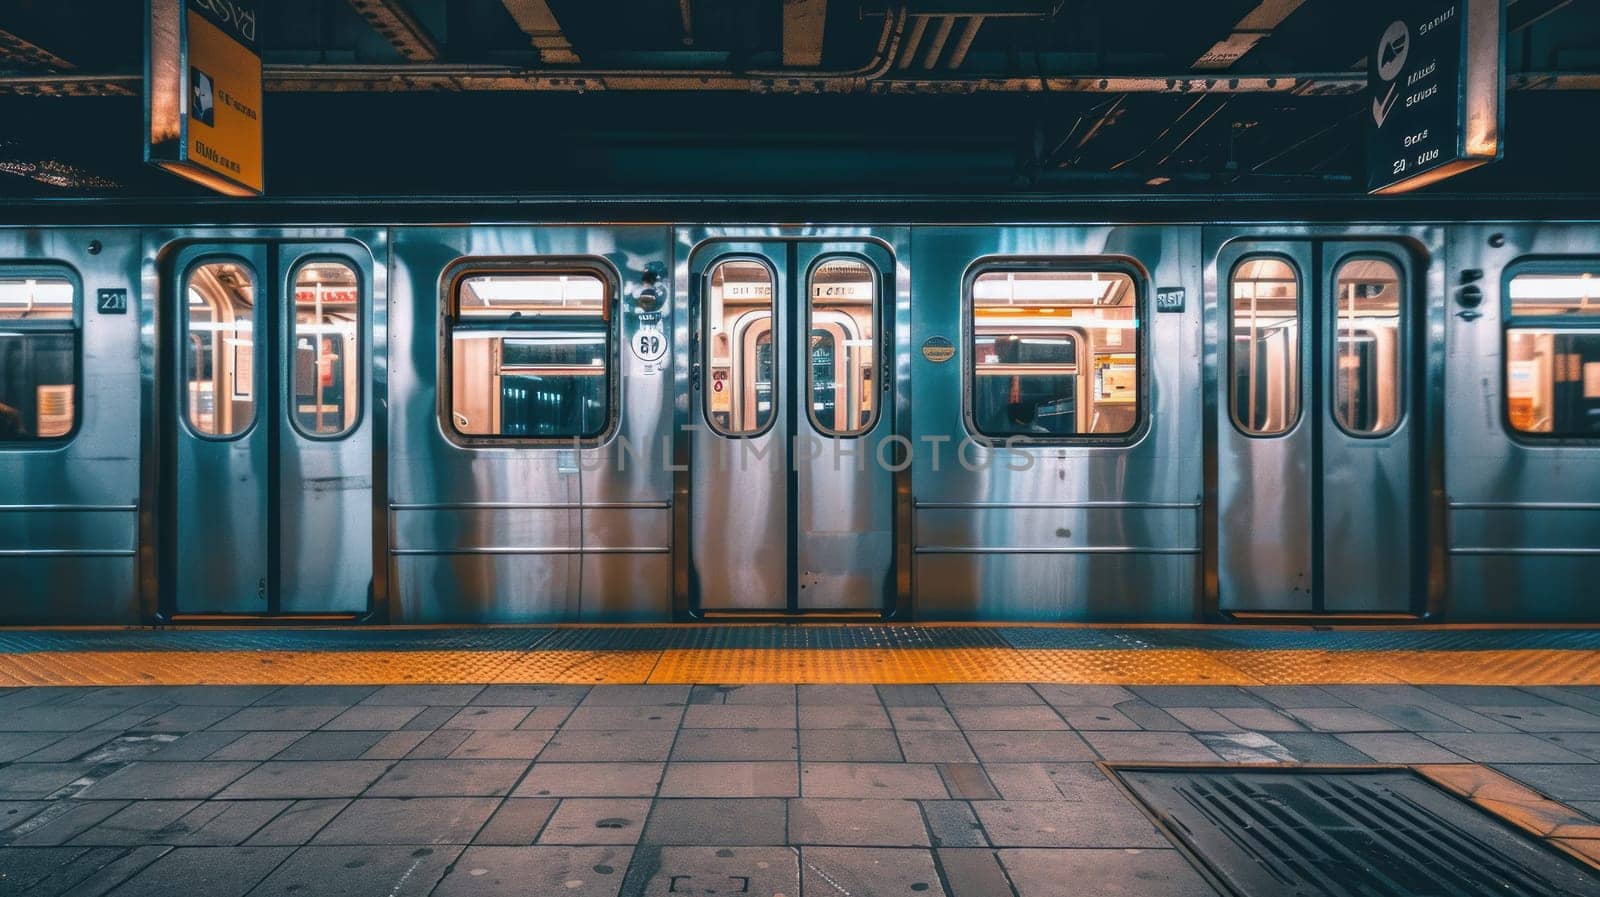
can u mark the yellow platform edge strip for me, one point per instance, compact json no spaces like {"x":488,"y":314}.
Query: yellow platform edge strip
{"x":750,"y":666}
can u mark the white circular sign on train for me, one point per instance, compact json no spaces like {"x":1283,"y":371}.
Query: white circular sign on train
{"x":1393,"y":48}
{"x":650,"y":344}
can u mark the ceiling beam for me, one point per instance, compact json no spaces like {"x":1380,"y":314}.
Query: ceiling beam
{"x":15,"y":50}
{"x":803,"y":25}
{"x":1256,"y":25}
{"x":400,"y":28}
{"x":540,"y":25}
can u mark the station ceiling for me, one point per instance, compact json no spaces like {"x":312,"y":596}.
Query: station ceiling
{"x":785,"y":97}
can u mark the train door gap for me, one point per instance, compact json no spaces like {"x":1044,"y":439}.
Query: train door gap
{"x":789,"y":515}
{"x":265,"y":461}
{"x":1317,"y":468}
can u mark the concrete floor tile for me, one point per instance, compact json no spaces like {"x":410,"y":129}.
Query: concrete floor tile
{"x":517,"y":822}
{"x":486,"y":744}
{"x":1104,"y":873}
{"x":1294,"y":697}
{"x":989,"y":695}
{"x":1149,"y":717}
{"x":1213,"y":696}
{"x":740,"y":716}
{"x":64,"y":822}
{"x":487,"y":718}
{"x":1504,"y":748}
{"x":439,"y":744}
{"x":191,"y":746}
{"x":256,"y":746}
{"x":1109,"y":824}
{"x":1245,"y":747}
{"x":187,"y":718}
{"x":545,"y":718}
{"x":365,"y":871}
{"x":857,"y":823}
{"x":730,"y":822}
{"x":878,"y":871}
{"x":951,"y":823}
{"x":27,"y":781}
{"x":1101,"y":719}
{"x":971,"y":872}
{"x":16,"y":745}
{"x":935,"y":747}
{"x":1259,"y":719}
{"x":547,"y":779}
{"x":675,"y":871}
{"x":1544,"y":718}
{"x":379,"y":718}
{"x":54,"y":719}
{"x":531,"y":695}
{"x":843,"y":716}
{"x":305,"y":779}
{"x":100,"y":870}
{"x":625,"y":718}
{"x":636,"y":695}
{"x":909,"y":696}
{"x":770,"y":695}
{"x":418,"y":820}
{"x":1035,"y":718}
{"x":449,"y":778}
{"x":1585,"y":743}
{"x":1398,"y":747}
{"x":536,"y":871}
{"x":770,"y":778}
{"x":288,"y":718}
{"x":308,"y":695}
{"x":216,"y":823}
{"x":967,"y":781}
{"x":597,"y":820}
{"x":603,"y":745}
{"x":849,"y":745}
{"x":1342,"y":719}
{"x":432,"y":717}
{"x":394,"y":745}
{"x":1149,"y":747}
{"x":74,"y":747}
{"x":1558,"y":781}
{"x":838,"y":694}
{"x":330,"y":746}
{"x":423,"y":695}
{"x":1483,"y":695}
{"x":736,"y":744}
{"x":298,"y":822}
{"x":1318,"y":747}
{"x":1205,"y":719}
{"x":921,"y":718}
{"x":211,"y":871}
{"x":1061,"y":695}
{"x":172,"y":781}
{"x":872,"y":780}
{"x":1029,"y":747}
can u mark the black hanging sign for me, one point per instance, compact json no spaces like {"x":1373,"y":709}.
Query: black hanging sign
{"x":1435,"y":79}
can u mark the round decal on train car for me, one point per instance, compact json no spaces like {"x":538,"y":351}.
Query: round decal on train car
{"x":650,"y":344}
{"x":938,"y":349}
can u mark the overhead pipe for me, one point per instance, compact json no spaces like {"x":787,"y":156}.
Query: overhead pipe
{"x":940,"y":37}
{"x":964,"y":44}
{"x":908,"y":49}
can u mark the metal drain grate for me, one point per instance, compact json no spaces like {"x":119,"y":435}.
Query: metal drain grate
{"x":1349,"y":833}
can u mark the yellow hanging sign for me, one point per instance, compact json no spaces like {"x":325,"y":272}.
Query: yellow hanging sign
{"x":203,"y":89}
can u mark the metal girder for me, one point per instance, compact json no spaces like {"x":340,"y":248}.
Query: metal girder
{"x":400,"y":28}
{"x":1256,"y":25}
{"x":415,"y":78}
{"x":539,"y":24}
{"x":803,"y":23}
{"x":15,"y":50}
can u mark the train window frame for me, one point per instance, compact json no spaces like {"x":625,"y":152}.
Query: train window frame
{"x":449,"y":317}
{"x":1225,"y":326}
{"x":1510,"y":321}
{"x":703,"y":337}
{"x":1402,"y":339}
{"x":363,"y":306}
{"x":72,"y":324}
{"x":876,"y":364}
{"x":1138,"y":279}
{"x":183,"y":330}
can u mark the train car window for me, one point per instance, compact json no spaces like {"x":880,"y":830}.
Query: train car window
{"x":1055,"y":353}
{"x":1553,"y":354}
{"x":739,"y":360}
{"x":531,"y":355}
{"x":325,"y":369}
{"x":219,"y":348}
{"x":1367,"y":346}
{"x":840,"y":378}
{"x":1264,"y":316}
{"x":38,"y":357}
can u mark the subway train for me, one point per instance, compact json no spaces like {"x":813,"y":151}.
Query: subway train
{"x":377,"y":414}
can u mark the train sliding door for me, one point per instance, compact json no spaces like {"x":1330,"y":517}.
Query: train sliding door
{"x":792,"y":509}
{"x":267,"y":455}
{"x":1318,"y":507}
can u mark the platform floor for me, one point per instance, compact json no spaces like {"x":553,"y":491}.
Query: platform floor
{"x":480,"y":779}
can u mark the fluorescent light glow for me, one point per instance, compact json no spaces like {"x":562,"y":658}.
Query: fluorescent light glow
{"x":1537,"y":287}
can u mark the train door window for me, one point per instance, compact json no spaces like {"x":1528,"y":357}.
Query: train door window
{"x":326,"y":364}
{"x":840,"y":376}
{"x":1553,"y":353}
{"x":219,"y":348}
{"x":531,"y":355}
{"x":739,"y":362}
{"x":1264,"y":318}
{"x":1367,"y":351}
{"x":1055,"y":353}
{"x":38,"y":356}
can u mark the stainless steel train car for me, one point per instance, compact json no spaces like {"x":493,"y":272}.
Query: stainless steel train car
{"x":1175,"y":418}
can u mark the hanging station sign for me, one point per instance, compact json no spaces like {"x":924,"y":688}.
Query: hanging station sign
{"x":203,"y":93}
{"x":1436,"y":80}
